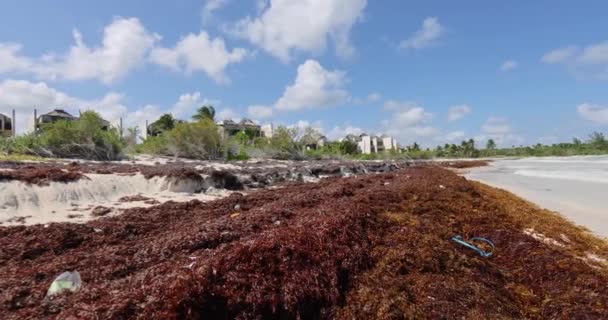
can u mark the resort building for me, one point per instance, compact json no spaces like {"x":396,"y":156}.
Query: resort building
{"x":367,"y":144}
{"x":229,"y":128}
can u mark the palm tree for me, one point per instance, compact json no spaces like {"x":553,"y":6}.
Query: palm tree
{"x":491,"y":145}
{"x":204,"y":112}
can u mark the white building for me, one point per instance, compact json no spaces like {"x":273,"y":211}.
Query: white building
{"x":373,"y":144}
{"x":268,"y":130}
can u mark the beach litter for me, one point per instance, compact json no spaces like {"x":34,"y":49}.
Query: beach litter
{"x":67,"y":281}
{"x":485,"y":254}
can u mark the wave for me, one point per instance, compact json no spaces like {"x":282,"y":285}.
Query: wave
{"x":568,"y":160}
{"x":589,"y":176}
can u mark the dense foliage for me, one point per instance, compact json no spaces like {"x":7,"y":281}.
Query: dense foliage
{"x":87,"y":138}
{"x":200,"y":140}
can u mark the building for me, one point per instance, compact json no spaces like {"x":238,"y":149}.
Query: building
{"x":367,"y":144}
{"x":6,"y":126}
{"x":55,"y":115}
{"x":314,"y":142}
{"x":60,"y":114}
{"x":229,"y":128}
{"x":268,"y":130}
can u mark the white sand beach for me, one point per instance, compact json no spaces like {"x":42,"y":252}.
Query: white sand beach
{"x":576,"y":187}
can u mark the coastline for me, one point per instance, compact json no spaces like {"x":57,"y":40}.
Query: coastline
{"x":361,"y":246}
{"x":564,"y":185}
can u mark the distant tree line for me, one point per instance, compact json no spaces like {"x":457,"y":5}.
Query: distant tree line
{"x":200,"y":138}
{"x":596,"y":144}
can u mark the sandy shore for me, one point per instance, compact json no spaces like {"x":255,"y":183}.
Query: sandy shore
{"x":576,"y":187}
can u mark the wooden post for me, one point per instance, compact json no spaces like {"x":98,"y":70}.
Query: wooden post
{"x":13,"y":125}
{"x":146,"y":130}
{"x":121,"y":127}
{"x":35,"y":121}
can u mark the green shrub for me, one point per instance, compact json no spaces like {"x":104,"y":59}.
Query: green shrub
{"x":86,"y":138}
{"x":197,"y":140}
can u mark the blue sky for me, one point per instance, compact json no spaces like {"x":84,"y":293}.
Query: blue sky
{"x":519,"y":72}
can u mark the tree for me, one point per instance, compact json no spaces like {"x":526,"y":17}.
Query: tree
{"x":491,"y":145}
{"x":414,"y":147}
{"x":132,"y":136}
{"x":598,"y":140}
{"x":165,"y":123}
{"x":310,"y":137}
{"x":204,"y":112}
{"x":348,"y":147}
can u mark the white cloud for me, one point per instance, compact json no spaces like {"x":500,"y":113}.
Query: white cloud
{"x":210,"y":7}
{"x":458,"y":112}
{"x":259,"y":112}
{"x":560,"y":55}
{"x":508,"y":65}
{"x":406,"y":114}
{"x":283,"y":26}
{"x":341,"y":131}
{"x":187,"y":104}
{"x":199,"y":53}
{"x":499,"y":129}
{"x":138,"y":117}
{"x":124,"y":46}
{"x":10,"y":59}
{"x":431,"y":31}
{"x":227,"y":113}
{"x":408,"y":122}
{"x":314,"y":86}
{"x":496,"y":125}
{"x":591,"y":60}
{"x":593,"y":113}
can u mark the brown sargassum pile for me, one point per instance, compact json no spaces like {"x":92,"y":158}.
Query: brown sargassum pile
{"x":369,"y":247}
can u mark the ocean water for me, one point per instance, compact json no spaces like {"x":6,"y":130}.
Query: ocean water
{"x":576,"y":187}
{"x":585,"y":169}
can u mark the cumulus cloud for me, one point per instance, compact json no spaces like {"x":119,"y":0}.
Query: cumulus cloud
{"x":199,"y":53}
{"x":11,"y":61}
{"x":589,"y":61}
{"x":126,"y":45}
{"x":283,"y":27}
{"x":313,"y":87}
{"x":593,"y":113}
{"x":406,"y":114}
{"x":499,"y":129}
{"x":508,"y":65}
{"x":430,"y":31}
{"x":408,"y":122}
{"x":188,"y":103}
{"x":340,"y":131}
{"x":458,"y":112}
